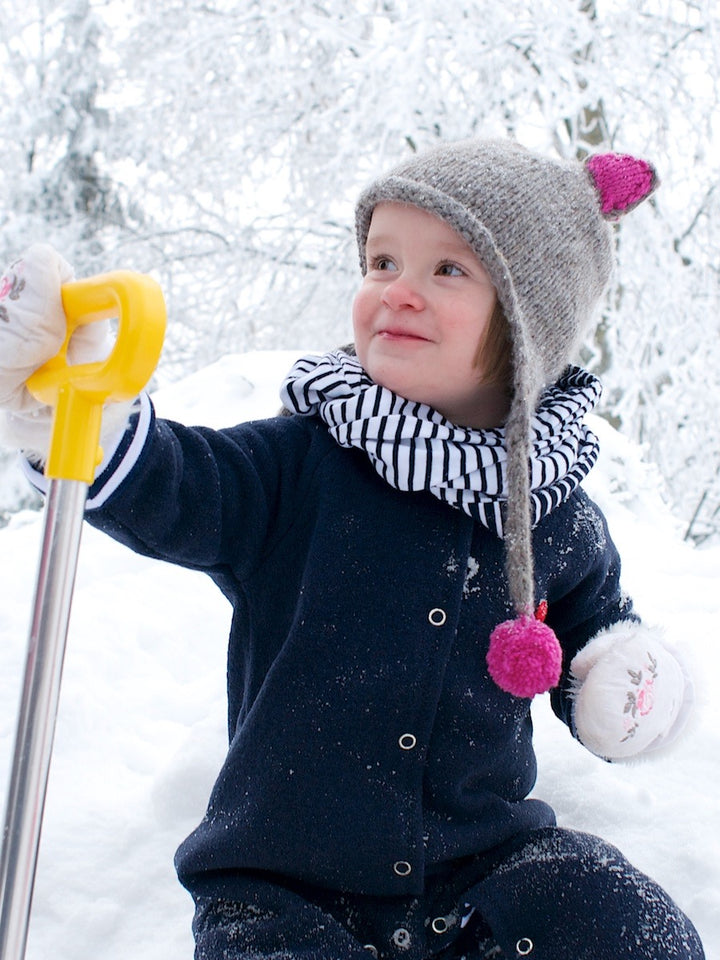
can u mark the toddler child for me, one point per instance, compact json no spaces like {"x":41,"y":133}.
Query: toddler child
{"x":410,"y":558}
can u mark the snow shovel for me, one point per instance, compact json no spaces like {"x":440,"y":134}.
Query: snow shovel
{"x":77,"y":393}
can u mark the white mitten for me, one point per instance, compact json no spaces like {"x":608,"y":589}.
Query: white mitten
{"x":32,"y":322}
{"x":631,"y":693}
{"x":32,"y":330}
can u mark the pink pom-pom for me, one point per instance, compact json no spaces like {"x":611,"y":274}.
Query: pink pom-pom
{"x":524,"y":657}
{"x":622,"y":182}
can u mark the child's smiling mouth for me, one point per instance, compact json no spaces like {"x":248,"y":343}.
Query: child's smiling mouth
{"x":401,"y":334}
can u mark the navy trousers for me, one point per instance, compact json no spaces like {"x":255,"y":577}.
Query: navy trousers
{"x":550,"y":894}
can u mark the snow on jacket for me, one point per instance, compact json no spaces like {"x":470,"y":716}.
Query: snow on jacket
{"x":367,"y":742}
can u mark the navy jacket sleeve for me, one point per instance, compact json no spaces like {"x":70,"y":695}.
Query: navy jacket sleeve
{"x":212,"y":499}
{"x":580,"y":578}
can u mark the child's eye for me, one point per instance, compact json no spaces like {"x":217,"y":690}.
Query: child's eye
{"x":450,"y":270}
{"x":382,"y":263}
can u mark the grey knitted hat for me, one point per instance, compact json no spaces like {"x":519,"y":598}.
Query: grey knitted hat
{"x":540,"y":228}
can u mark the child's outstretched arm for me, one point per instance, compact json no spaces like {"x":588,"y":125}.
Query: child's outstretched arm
{"x":194,"y":496}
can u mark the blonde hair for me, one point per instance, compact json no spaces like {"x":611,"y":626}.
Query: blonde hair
{"x":494,"y":353}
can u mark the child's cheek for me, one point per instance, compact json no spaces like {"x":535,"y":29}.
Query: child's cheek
{"x":361,"y":321}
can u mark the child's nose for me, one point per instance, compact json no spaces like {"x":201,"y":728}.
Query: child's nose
{"x":403,"y":293}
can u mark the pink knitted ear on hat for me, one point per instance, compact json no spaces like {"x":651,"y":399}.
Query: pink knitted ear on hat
{"x":622,"y":182}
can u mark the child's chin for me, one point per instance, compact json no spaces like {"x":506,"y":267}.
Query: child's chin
{"x":394,"y":381}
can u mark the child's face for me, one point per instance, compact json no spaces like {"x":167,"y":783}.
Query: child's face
{"x":421,"y":314}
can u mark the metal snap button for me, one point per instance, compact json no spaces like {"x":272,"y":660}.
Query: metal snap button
{"x":437,"y":617}
{"x":401,"y":938}
{"x":408,"y":741}
{"x":439,"y":925}
{"x":371,"y":949}
{"x":402,"y":868}
{"x":524,"y":947}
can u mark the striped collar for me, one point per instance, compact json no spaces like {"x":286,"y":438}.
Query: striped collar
{"x":413,"y":447}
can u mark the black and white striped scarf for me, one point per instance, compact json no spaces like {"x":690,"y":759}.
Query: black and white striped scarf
{"x":413,"y":447}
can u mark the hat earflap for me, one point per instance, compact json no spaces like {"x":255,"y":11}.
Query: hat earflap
{"x":525,"y":657}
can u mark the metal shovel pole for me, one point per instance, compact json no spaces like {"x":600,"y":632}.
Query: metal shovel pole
{"x":38,"y":709}
{"x":78,"y":394}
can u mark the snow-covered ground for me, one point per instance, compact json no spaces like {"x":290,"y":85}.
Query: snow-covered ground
{"x":141,"y":729}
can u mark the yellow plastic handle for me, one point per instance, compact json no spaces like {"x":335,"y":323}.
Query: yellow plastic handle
{"x":78,"y":392}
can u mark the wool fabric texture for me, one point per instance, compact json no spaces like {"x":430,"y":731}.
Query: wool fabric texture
{"x":414,"y":447}
{"x":540,"y":228}
{"x":354,"y":633}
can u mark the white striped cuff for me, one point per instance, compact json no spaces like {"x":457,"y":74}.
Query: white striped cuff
{"x":121,"y":452}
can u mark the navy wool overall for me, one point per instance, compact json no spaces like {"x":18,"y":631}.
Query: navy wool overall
{"x":374,"y":798}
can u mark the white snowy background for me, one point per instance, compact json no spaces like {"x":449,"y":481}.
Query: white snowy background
{"x":141,"y":727}
{"x":221,"y":146}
